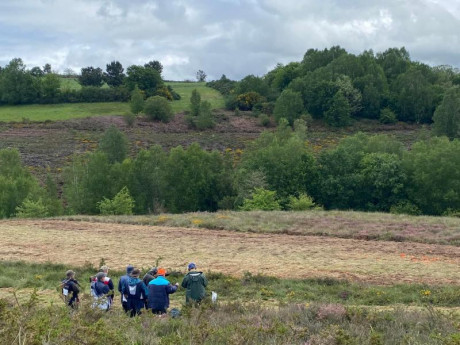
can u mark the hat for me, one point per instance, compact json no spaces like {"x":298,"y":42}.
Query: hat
{"x":161,"y":272}
{"x":136,"y":273}
{"x":129,"y":269}
{"x":153,"y":271}
{"x":191,"y":266}
{"x":100,"y":276}
{"x":69,"y":273}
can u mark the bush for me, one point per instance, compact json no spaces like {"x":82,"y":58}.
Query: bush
{"x":387,"y":116}
{"x":129,"y":119}
{"x":405,"y":207}
{"x":301,"y":203}
{"x":32,"y":209}
{"x":261,"y":199}
{"x":264,"y":120}
{"x":115,"y":144}
{"x":158,"y":109}
{"x":121,"y":204}
{"x":289,"y":106}
{"x":137,"y":101}
{"x":247,"y":100}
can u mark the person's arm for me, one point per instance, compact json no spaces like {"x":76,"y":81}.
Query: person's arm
{"x":75,"y":288}
{"x":170,"y":289}
{"x":120,"y":287}
{"x":106,"y":290}
{"x":205,"y":281}
{"x":110,"y":284}
{"x":184,"y":282}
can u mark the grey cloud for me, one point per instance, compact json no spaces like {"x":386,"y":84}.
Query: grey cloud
{"x":233,"y":37}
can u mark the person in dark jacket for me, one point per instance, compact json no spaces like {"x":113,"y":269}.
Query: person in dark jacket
{"x":195,"y":282}
{"x":101,"y":291}
{"x":124,"y":280}
{"x":71,"y":289}
{"x":150,"y":275}
{"x":135,"y":293}
{"x":159,"y":290}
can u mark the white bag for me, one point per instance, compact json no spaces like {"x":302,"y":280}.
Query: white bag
{"x":214,"y":296}
{"x":65,"y":292}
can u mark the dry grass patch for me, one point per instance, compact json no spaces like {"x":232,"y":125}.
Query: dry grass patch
{"x":233,"y":253}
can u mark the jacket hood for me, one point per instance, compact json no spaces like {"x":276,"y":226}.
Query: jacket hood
{"x":160,"y":280}
{"x":194,"y":276}
{"x":133,"y":281}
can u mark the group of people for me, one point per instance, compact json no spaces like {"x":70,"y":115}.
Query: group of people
{"x":151,"y":292}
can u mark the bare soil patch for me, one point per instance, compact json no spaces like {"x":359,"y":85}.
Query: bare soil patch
{"x":233,"y":253}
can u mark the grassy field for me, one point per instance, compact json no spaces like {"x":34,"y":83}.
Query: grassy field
{"x":230,"y":252}
{"x":60,"y":112}
{"x":342,"y":224}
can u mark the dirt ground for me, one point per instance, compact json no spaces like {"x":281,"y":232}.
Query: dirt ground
{"x":234,"y":253}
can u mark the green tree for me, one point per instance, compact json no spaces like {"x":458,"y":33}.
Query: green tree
{"x":16,"y":183}
{"x":32,"y":209}
{"x":200,"y":76}
{"x":387,"y":116}
{"x":433,"y":169}
{"x":289,"y":106}
{"x":156,"y":65}
{"x":137,"y":101}
{"x":51,"y":84}
{"x":196,"y":180}
{"x":146,"y":78}
{"x":114,"y":144}
{"x":121,"y":204}
{"x":114,"y":75}
{"x":17,"y":86}
{"x":447,"y":115}
{"x":338,"y":114}
{"x":195,"y":103}
{"x":36,"y":72}
{"x":158,"y":108}
{"x":91,"y":76}
{"x":47,"y":69}
{"x":261,"y":200}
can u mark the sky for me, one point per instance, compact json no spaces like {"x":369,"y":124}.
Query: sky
{"x":231,"y":37}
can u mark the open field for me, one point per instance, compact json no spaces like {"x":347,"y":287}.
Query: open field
{"x":76,"y":243}
{"x":342,"y":224}
{"x":66,"y":111}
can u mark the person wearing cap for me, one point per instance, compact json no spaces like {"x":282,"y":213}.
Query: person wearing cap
{"x":150,"y":275}
{"x":195,"y":282}
{"x":70,"y":289}
{"x":159,"y":290}
{"x":135,"y":293}
{"x":124,"y":280}
{"x":101,"y":292}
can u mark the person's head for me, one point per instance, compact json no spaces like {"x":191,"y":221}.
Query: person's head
{"x":153,"y":271}
{"x":129,"y":269}
{"x":70,"y":274}
{"x":161,"y":272}
{"x":136,"y":273}
{"x":191,"y":266}
{"x":104,"y":269}
{"x":100,"y":276}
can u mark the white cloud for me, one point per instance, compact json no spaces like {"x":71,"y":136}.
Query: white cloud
{"x":235,"y":37}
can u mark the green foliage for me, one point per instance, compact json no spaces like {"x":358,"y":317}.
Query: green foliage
{"x":91,"y":76}
{"x":200,"y":76}
{"x":155,"y":64}
{"x":16,"y":183}
{"x":301,"y":203}
{"x":264,"y":120}
{"x":405,"y":207}
{"x":121,"y":204}
{"x":447,"y":115}
{"x":195,"y":103}
{"x":17,"y":86}
{"x":137,"y":101}
{"x":387,"y":116}
{"x":195,"y":180}
{"x":32,"y":209}
{"x":51,"y":84}
{"x":129,"y":119}
{"x":434,"y":175}
{"x":246,"y":101}
{"x":158,"y":108}
{"x":114,"y":144}
{"x":146,"y":78}
{"x":261,"y":199}
{"x":223,"y":85}
{"x":289,"y":106}
{"x":338,"y":114}
{"x":114,"y":74}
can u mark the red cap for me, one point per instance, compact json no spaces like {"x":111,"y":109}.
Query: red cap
{"x":161,"y":272}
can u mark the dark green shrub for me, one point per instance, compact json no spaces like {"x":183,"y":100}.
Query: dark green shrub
{"x":247,"y":100}
{"x":158,"y":108}
{"x":289,"y":105}
{"x":137,"y":101}
{"x":115,"y":144}
{"x":264,"y":120}
{"x":387,"y":116}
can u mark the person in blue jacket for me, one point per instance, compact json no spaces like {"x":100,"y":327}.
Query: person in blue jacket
{"x":122,"y":282}
{"x":159,"y":290}
{"x":135,"y":293}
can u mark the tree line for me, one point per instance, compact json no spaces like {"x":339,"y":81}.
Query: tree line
{"x":19,"y":85}
{"x":337,"y":86}
{"x":276,"y":171}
